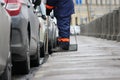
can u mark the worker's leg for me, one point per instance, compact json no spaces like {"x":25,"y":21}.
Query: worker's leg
{"x":63,"y":24}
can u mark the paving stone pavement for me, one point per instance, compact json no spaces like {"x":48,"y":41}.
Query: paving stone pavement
{"x":96,"y":59}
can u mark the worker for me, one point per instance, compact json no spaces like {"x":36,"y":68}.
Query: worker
{"x":63,"y":9}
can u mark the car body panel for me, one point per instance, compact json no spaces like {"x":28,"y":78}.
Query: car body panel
{"x":5,"y":23}
{"x":34,"y":25}
{"x":42,"y":29}
{"x":19,"y":34}
{"x":52,"y":32}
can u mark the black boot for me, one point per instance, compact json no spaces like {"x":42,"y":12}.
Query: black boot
{"x":65,"y":45}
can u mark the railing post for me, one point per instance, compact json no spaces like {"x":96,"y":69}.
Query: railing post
{"x":115,"y":24}
{"x":118,"y":36}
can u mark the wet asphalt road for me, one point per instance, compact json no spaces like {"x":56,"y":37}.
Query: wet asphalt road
{"x":96,"y":59}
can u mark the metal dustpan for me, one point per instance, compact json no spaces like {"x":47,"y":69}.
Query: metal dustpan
{"x":73,"y":47}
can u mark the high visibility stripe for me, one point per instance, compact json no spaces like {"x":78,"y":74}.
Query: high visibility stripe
{"x":59,"y":39}
{"x":63,"y":39}
{"x":49,"y":7}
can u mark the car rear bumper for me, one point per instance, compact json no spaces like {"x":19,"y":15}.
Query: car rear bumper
{"x":18,"y":40}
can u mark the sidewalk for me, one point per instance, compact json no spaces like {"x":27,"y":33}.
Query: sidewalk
{"x":96,"y":59}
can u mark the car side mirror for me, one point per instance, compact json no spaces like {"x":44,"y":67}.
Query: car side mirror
{"x":2,"y":3}
{"x":28,"y":6}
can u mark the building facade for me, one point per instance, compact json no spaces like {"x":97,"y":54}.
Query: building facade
{"x":89,"y":10}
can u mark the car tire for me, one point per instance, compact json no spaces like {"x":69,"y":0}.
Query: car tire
{"x":42,"y":51}
{"x":26,"y":63}
{"x":50,"y":42}
{"x":36,"y":62}
{"x":23,"y":67}
{"x":50,"y":47}
{"x":26,"y":68}
{"x":54,"y":39}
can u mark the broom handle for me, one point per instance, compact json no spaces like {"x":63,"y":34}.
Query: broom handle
{"x":48,"y":24}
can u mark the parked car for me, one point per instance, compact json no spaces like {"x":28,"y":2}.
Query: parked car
{"x":42,"y":32}
{"x":52,"y":32}
{"x":25,"y":35}
{"x":5,"y":56}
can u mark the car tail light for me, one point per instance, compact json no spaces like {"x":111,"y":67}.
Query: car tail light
{"x":13,"y":8}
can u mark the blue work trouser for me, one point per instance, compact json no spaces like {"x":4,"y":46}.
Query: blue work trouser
{"x":63,"y":24}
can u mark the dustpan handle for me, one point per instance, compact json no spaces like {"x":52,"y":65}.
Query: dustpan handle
{"x":75,"y":36}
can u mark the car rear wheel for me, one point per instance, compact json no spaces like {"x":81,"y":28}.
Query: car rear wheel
{"x":36,"y":62}
{"x":50,"y":42}
{"x":26,"y":64}
{"x":23,"y":67}
{"x":26,"y":68}
{"x":42,"y":51}
{"x":54,"y":38}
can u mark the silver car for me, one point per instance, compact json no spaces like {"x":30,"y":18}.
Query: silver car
{"x":5,"y":56}
{"x":52,"y":32}
{"x":42,"y":37}
{"x":25,"y":35}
